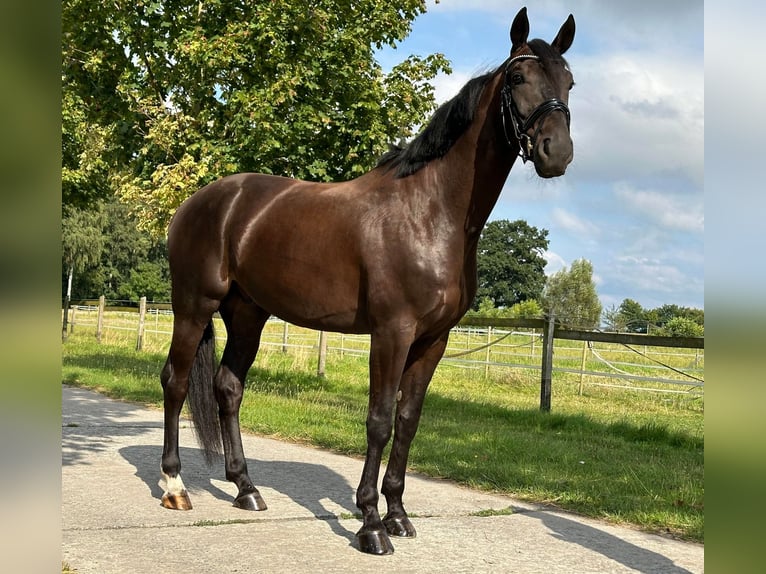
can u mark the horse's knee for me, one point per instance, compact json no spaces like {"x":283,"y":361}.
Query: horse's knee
{"x":378,"y":430}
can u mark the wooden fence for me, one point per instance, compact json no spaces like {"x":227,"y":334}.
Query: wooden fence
{"x":475,"y":343}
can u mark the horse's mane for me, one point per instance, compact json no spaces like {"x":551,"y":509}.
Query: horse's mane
{"x":449,"y":121}
{"x":447,"y":124}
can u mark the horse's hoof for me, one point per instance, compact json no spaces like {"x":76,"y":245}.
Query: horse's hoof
{"x":374,"y":542}
{"x":179,"y":501}
{"x":401,"y":527}
{"x":250,"y":501}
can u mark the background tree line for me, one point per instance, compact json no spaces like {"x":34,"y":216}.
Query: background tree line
{"x":668,"y":319}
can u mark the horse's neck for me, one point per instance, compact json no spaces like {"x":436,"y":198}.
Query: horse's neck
{"x":482,"y":160}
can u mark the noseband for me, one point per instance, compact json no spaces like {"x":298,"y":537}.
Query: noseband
{"x":521,"y":126}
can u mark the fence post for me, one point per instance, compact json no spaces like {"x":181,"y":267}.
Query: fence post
{"x":489,"y":340}
{"x":547,"y":366}
{"x":65,"y":319}
{"x":582,"y":364}
{"x":100,"y":320}
{"x":71,"y":322}
{"x":141,"y":322}
{"x":322,"y":353}
{"x":284,"y":337}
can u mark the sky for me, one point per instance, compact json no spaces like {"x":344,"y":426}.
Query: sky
{"x":631,"y":202}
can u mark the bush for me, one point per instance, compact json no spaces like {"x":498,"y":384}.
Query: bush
{"x":682,"y":327}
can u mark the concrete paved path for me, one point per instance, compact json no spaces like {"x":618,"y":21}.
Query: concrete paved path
{"x":112,"y":521}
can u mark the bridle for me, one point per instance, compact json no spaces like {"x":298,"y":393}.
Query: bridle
{"x":521,"y":126}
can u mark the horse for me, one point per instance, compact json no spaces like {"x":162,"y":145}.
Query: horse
{"x":391,"y":254}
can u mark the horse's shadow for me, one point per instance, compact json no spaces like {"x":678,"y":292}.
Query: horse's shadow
{"x":305,"y":484}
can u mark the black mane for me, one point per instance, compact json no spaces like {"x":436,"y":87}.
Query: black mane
{"x":447,"y":124}
{"x":449,"y":121}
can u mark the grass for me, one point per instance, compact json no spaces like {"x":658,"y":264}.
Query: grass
{"x":615,"y":454}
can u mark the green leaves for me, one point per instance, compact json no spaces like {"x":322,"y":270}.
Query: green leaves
{"x":510,"y":262}
{"x":570,"y":295}
{"x":186,"y":92}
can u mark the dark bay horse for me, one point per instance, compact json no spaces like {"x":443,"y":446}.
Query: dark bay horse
{"x":391,"y":253}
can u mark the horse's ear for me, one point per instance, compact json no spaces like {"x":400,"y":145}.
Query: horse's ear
{"x":565,"y":37}
{"x":519,"y":30}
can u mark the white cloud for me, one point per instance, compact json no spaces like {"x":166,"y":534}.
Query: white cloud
{"x":651,"y":275}
{"x":673,"y":212}
{"x":447,"y":86}
{"x":554,"y":262}
{"x":632,"y":118}
{"x":597,"y":279}
{"x":570,"y":223}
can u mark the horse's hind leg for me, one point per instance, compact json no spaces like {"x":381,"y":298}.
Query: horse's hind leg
{"x":244,"y":323}
{"x":187,"y":334}
{"x":421,"y":365}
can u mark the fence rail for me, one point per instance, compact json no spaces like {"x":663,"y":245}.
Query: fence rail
{"x":660,"y":364}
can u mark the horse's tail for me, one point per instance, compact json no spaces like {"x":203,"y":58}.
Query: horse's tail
{"x":202,"y":402}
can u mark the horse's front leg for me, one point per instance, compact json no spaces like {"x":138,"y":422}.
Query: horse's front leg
{"x":388,"y":353}
{"x":421,"y":365}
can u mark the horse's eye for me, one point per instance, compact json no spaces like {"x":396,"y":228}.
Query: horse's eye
{"x":517,"y":79}
{"x":572,"y":85}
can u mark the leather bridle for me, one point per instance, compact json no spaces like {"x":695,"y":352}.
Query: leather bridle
{"x":521,"y":126}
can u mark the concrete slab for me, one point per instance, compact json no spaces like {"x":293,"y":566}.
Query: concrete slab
{"x":112,"y":521}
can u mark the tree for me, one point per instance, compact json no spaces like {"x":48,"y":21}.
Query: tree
{"x":148,"y":279}
{"x":511,"y":266}
{"x":130,"y":263}
{"x":613,"y":319}
{"x":668,"y":312}
{"x":128,"y":251}
{"x":178,"y":93}
{"x":82,"y":240}
{"x":529,"y":309}
{"x":682,"y":327}
{"x":633,"y":316}
{"x":570,"y":295}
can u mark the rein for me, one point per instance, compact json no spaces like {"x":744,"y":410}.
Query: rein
{"x":522,"y":125}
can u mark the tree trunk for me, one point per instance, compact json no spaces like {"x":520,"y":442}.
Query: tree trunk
{"x":66,"y":303}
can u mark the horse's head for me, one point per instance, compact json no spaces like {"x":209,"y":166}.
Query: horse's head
{"x":535,"y":96}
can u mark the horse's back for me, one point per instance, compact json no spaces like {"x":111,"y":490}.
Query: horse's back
{"x":210,"y":204}
{"x":291,"y":246}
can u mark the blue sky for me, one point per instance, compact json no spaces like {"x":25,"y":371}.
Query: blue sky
{"x":631,"y":202}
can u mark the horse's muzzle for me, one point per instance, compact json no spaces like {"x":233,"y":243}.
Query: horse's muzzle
{"x":552,"y":155}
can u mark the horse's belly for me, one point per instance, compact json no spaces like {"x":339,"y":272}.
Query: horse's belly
{"x":306,"y":291}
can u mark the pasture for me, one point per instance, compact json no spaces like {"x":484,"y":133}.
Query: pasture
{"x":621,"y":454}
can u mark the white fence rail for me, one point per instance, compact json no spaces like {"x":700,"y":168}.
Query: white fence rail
{"x":595,"y":359}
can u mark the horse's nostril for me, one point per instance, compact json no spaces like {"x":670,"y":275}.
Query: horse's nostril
{"x":546,"y":146}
